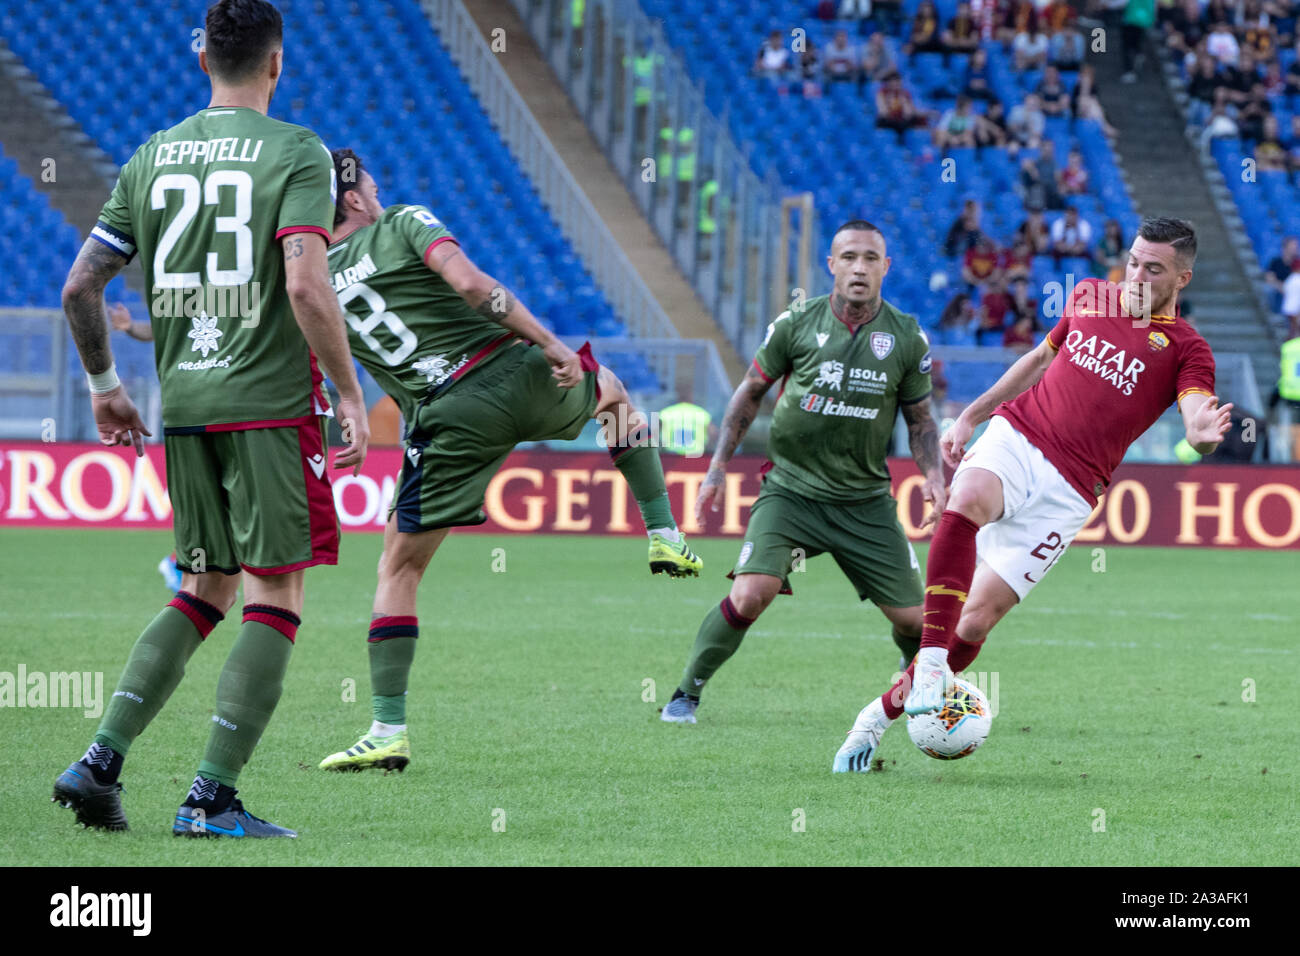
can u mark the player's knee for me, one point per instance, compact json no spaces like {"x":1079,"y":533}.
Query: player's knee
{"x":750,"y":595}
{"x":971,"y":502}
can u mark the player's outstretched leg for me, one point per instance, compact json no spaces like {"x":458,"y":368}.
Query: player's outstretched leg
{"x":153,"y":669}
{"x":247,"y":693}
{"x":976,"y":499}
{"x":719,"y":636}
{"x":628,"y":435}
{"x":990,"y":599}
{"x":394,"y":629}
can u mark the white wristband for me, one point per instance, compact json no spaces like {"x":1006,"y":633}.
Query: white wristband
{"x":104,"y":381}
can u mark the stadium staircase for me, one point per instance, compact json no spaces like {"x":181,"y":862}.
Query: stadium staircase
{"x":1166,"y":177}
{"x":555,"y":113}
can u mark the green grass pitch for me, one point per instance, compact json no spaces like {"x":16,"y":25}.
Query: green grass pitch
{"x":1122,"y":738}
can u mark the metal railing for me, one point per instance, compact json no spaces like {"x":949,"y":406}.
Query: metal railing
{"x":578,"y":220}
{"x":720,"y":221}
{"x":34,"y":404}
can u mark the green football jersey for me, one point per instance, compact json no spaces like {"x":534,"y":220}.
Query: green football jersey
{"x":205,"y":203}
{"x":408,"y":328}
{"x":834,"y":417}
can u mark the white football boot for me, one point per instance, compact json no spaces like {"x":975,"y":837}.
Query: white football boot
{"x":931,"y":682}
{"x":859,"y":749}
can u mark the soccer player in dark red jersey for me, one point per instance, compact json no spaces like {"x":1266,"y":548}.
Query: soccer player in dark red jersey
{"x":1062,"y":418}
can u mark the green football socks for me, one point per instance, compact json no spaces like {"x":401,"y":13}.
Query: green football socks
{"x":721,"y":632}
{"x":392,"y":649}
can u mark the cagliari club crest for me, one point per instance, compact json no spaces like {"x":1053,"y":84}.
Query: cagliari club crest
{"x":882,"y":343}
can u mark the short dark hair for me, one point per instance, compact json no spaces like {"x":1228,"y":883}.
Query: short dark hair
{"x":857,"y":225}
{"x":347,"y":177}
{"x":238,"y":35}
{"x":1178,"y":233}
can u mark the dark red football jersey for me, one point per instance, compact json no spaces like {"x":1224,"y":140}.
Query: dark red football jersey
{"x":1111,"y":379}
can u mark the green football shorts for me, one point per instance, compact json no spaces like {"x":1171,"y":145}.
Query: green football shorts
{"x":257,"y":499}
{"x":459,"y":439}
{"x":865,"y":539}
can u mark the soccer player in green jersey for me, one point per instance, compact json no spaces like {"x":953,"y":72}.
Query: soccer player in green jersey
{"x":848,"y":363}
{"x":474,"y":373}
{"x":230,"y":211}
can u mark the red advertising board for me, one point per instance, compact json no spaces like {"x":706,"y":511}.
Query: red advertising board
{"x":86,"y":485}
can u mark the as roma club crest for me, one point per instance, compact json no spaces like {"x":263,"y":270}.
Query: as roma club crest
{"x":882,"y":343}
{"x":1157,"y":341}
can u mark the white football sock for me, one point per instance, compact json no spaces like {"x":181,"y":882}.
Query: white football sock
{"x":668,"y":534}
{"x":385,"y":730}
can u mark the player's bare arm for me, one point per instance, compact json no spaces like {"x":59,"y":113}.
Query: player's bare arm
{"x":494,"y":301}
{"x":316,"y":309}
{"x":923,"y":439}
{"x":1205,"y":421}
{"x":120,"y":318}
{"x":740,"y":414}
{"x":115,"y":415}
{"x":1029,"y":368}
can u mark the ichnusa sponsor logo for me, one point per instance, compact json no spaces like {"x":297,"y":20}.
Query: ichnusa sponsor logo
{"x":74,"y":909}
{"x":819,"y":404}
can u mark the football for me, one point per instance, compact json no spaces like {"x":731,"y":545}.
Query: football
{"x":958,"y":729}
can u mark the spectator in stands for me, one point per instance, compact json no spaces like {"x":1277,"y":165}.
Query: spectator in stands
{"x":1065,"y":49}
{"x":1279,"y":268}
{"x":1258,"y":34}
{"x":1084,"y":103}
{"x":1017,"y":261}
{"x":1184,"y":28}
{"x":1052,"y":93}
{"x":991,"y":128}
{"x":859,"y":10}
{"x":773,"y":58}
{"x":895,"y":108}
{"x":1071,"y":236}
{"x":1139,"y":18}
{"x":1201,"y":88}
{"x":980,"y":262}
{"x":1037,"y":181}
{"x":961,"y":35}
{"x":1219,"y":124}
{"x":1293,"y":145}
{"x":1270,"y":155}
{"x":989,"y":328}
{"x":996,"y":301}
{"x":1073,"y":179}
{"x":1030,"y":49}
{"x":1240,"y":79}
{"x":810,"y":69}
{"x":841,"y":59}
{"x":1026,"y":123}
{"x":1111,"y":251}
{"x":1253,"y":112}
{"x":1274,"y":81}
{"x":957,"y":126}
{"x":1222,"y":44}
{"x":877,"y":60}
{"x":1020,"y":16}
{"x":975,"y":84}
{"x":1033,"y":230}
{"x":965,"y":231}
{"x":1293,"y":72}
{"x":924,"y":35}
{"x":1019,"y":336}
{"x":1022,"y":303}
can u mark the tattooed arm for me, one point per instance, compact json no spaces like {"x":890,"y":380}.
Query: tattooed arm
{"x":115,"y":414}
{"x":83,"y":302}
{"x":492,"y":300}
{"x":741,"y":412}
{"x":923,"y":437}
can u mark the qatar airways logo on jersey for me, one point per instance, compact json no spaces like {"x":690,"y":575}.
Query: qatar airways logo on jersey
{"x":1095,"y":354}
{"x":821,"y":405}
